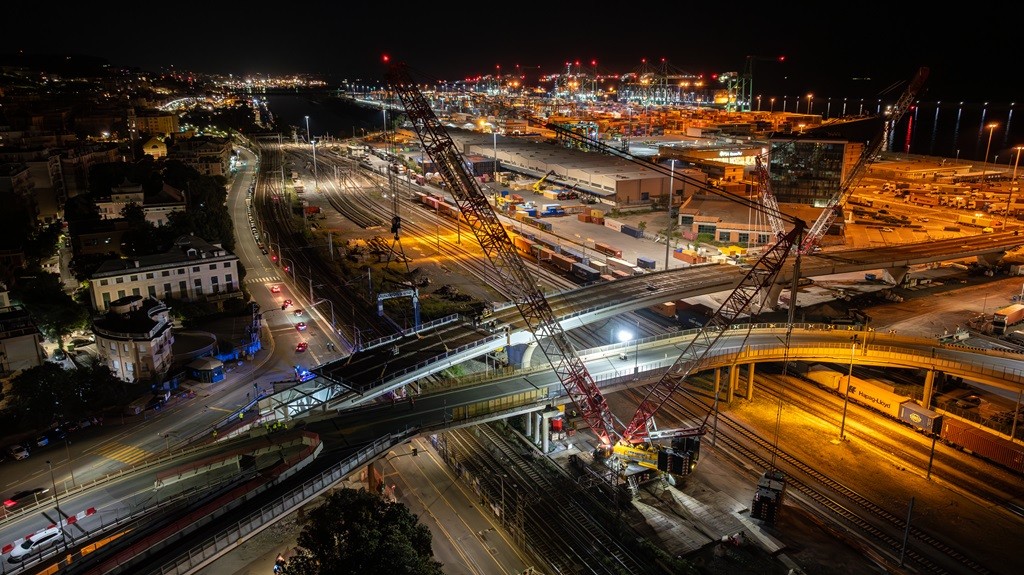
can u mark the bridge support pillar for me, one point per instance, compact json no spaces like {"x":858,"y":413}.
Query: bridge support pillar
{"x":771,"y":299}
{"x":546,"y":429}
{"x":750,"y":380}
{"x":734,"y":380}
{"x":929,"y":388}
{"x":537,"y":425}
{"x":718,"y":380}
{"x":895,"y":276}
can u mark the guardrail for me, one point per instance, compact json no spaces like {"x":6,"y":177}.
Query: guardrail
{"x":216,"y":546}
{"x":410,"y":331}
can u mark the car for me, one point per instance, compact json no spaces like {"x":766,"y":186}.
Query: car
{"x":298,"y":312}
{"x":35,"y":542}
{"x":286,"y":303}
{"x":264,"y":250}
{"x":922,"y":220}
{"x":968,"y":402}
{"x":20,"y":496}
{"x":18,"y":451}
{"x":275,"y":289}
{"x":301,"y":346}
{"x":886,"y":229}
{"x":301,"y":326}
{"x":42,"y":441}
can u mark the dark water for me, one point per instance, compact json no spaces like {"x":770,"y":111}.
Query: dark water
{"x":329,"y":117}
{"x":949,"y":130}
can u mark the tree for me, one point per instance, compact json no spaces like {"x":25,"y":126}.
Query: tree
{"x":56,"y":313}
{"x":357,"y":532}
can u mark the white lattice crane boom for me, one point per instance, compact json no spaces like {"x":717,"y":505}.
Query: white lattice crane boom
{"x":836,"y":203}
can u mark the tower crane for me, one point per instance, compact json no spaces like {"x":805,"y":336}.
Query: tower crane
{"x":516,"y":279}
{"x":838,"y":200}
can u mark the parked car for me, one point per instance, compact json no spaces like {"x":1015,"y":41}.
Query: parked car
{"x":18,"y":451}
{"x":34,"y":543}
{"x":42,"y":441}
{"x":23,"y":495}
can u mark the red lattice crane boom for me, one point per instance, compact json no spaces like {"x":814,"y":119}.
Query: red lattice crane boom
{"x":517,"y":281}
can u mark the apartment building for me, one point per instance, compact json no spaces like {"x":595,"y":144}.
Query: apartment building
{"x":192,"y":270}
{"x":134,"y":338}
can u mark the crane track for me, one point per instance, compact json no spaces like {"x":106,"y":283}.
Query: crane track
{"x":884,"y":540}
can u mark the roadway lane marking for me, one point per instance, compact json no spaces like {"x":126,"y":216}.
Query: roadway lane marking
{"x":124,"y":453}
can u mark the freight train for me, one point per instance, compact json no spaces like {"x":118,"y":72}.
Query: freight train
{"x":878,"y":395}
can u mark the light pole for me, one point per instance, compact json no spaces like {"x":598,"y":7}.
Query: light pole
{"x":56,"y":501}
{"x":758,"y":103}
{"x":671,"y":222}
{"x":316,"y":303}
{"x":288,"y":268}
{"x":71,"y":468}
{"x":991,"y":129}
{"x":636,"y":352}
{"x":846,"y":394}
{"x":313,"y":144}
{"x":810,"y":102}
{"x":772,"y":108}
{"x":1013,"y":183}
{"x":495,"y":136}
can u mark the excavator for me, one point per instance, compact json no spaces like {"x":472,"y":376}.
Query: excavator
{"x":538,"y":186}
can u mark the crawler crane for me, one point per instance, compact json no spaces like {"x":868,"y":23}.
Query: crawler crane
{"x":635,"y":441}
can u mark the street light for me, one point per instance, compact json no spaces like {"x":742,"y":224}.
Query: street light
{"x":991,"y":128}
{"x":810,"y":102}
{"x":1013,"y":182}
{"x":846,"y":394}
{"x":56,"y":501}
{"x":671,"y":222}
{"x":772,"y":109}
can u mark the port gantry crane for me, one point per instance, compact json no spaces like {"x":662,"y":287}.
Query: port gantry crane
{"x":838,"y":200}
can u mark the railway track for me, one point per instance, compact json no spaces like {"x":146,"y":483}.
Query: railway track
{"x":547,"y":511}
{"x":838,"y":502}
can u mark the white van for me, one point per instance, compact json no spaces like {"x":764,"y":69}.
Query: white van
{"x":34,"y":543}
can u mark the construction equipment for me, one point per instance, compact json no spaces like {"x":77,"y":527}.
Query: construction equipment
{"x":538,"y":186}
{"x":768,"y":199}
{"x":522,"y":289}
{"x":835,"y":205}
{"x":635,"y":442}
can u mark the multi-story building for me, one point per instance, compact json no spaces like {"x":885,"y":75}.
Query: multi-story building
{"x":207,"y":155}
{"x":157,"y":123}
{"x":192,"y":270}
{"x":134,"y":339}
{"x":156,"y":207}
{"x":20,"y":341}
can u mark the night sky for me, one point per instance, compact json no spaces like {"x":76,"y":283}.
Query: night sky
{"x":850,"y":50}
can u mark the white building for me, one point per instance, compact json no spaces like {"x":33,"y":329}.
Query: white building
{"x":156,"y":207}
{"x":134,"y":338}
{"x":192,"y":270}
